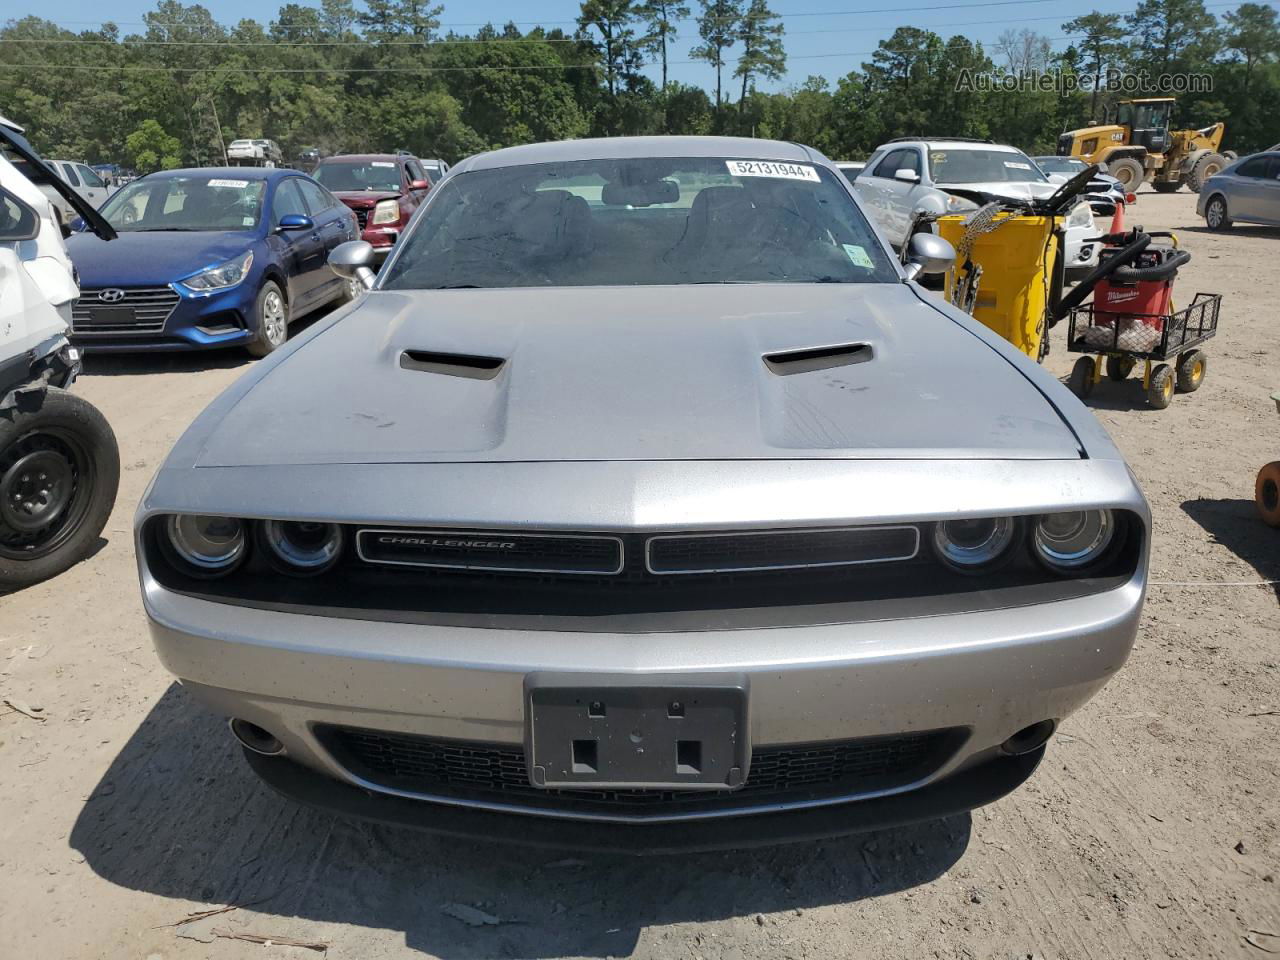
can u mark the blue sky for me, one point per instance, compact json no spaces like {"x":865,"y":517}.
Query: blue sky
{"x":824,"y":37}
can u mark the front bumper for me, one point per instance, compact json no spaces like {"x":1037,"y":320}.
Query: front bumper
{"x":988,"y":674}
{"x":382,"y":239}
{"x":197,"y":322}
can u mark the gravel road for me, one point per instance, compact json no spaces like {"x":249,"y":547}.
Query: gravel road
{"x":1149,"y":831}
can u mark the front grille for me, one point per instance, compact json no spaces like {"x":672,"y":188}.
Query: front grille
{"x":139,"y":310}
{"x":497,"y":774}
{"x":779,"y":550}
{"x":483,"y":550}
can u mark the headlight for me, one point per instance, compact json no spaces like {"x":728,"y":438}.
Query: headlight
{"x":210,"y":546}
{"x":1081,"y":216}
{"x":1067,"y":541}
{"x":960,"y":203}
{"x":387,"y":211}
{"x":972,"y":544}
{"x":222,"y":276}
{"x":303,"y":547}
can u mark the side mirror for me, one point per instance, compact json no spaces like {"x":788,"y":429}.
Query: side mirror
{"x":420,"y":185}
{"x":353,"y":260}
{"x":78,"y":225}
{"x":929,"y":254}
{"x":909,"y":176}
{"x":296,"y":221}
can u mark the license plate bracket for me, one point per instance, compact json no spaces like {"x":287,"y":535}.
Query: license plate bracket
{"x":112,"y":316}
{"x":592,"y":731}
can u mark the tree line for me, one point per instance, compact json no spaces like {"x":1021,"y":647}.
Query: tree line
{"x":381,"y":76}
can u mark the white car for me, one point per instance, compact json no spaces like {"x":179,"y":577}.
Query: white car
{"x":909,"y":177}
{"x":82,"y":179}
{"x":259,"y":151}
{"x":59,"y":464}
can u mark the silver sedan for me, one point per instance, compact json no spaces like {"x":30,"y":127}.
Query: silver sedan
{"x":645,"y":501}
{"x":1248,"y":191}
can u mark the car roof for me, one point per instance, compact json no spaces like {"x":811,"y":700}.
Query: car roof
{"x":943,"y":143}
{"x":233,"y":173}
{"x":368,"y":157}
{"x":625,"y":148}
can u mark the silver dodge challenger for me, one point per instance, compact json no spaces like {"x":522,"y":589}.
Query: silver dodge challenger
{"x":644,"y":502}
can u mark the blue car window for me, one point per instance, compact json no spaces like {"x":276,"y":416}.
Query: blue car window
{"x":318,"y":199}
{"x":288,"y":201}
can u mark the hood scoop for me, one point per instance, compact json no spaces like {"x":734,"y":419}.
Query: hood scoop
{"x":452,"y":364}
{"x":818,"y":358}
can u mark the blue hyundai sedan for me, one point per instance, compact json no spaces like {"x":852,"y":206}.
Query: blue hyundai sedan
{"x":209,"y":258}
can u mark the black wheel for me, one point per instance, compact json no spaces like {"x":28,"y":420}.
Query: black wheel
{"x":1128,"y":171}
{"x":1081,"y":379}
{"x":1215,"y":214}
{"x":1119,"y":368}
{"x":1167,"y":186}
{"x":272,"y":314}
{"x":59,"y":471}
{"x":1160,"y":391}
{"x":1192,"y":366}
{"x":1205,"y":167}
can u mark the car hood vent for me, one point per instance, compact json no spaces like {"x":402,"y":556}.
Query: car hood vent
{"x":818,"y":358}
{"x":452,"y":364}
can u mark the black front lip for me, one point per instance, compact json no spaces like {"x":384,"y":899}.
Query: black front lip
{"x":973,"y":787}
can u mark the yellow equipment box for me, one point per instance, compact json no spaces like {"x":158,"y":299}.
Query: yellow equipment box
{"x":1017,"y":255}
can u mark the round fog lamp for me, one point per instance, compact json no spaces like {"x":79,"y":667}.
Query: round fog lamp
{"x":209,"y":544}
{"x":1074,"y":539}
{"x":970,"y":544}
{"x":303,"y":546}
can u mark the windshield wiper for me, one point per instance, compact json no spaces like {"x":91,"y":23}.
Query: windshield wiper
{"x":457,"y":286}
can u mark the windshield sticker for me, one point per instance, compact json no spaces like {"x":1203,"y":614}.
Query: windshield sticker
{"x":237,"y":184}
{"x":770,"y":168}
{"x":858,"y":255}
{"x":382,"y":163}
{"x":246,"y":221}
{"x":1015,"y":165}
{"x":938,"y":157}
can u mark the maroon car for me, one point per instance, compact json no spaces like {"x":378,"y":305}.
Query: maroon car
{"x":382,"y":188}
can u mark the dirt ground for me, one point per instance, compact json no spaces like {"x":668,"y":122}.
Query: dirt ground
{"x":1149,"y":831}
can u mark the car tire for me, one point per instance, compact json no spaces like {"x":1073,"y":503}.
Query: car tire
{"x":1128,"y":171}
{"x":59,"y":474}
{"x":1215,"y":213}
{"x":1167,"y":186}
{"x":1205,"y":167}
{"x":271,"y":311}
{"x":1266,"y":493}
{"x":1119,"y":368}
{"x":1081,"y":379}
{"x":1160,"y":389}
{"x":1192,"y":367}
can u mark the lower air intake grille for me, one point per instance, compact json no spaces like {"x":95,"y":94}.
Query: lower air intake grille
{"x":781,"y":550}
{"x":496,"y":773}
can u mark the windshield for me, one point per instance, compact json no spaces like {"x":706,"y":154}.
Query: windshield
{"x":983,"y":166}
{"x":641,"y":221}
{"x":348,"y":175}
{"x":188,"y":203}
{"x":1065,"y":165}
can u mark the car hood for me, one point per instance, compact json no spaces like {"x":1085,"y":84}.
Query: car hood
{"x":364,"y":198}
{"x":1017,"y":190}
{"x":641,"y":373}
{"x":152,"y":258}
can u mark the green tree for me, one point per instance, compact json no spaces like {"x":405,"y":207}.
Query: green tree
{"x":760,"y":32}
{"x":1171,"y":36}
{"x":620,"y":52}
{"x":1100,"y":40}
{"x":149,"y":148}
{"x":1253,"y":33}
{"x":718,"y":28}
{"x":660,"y":18}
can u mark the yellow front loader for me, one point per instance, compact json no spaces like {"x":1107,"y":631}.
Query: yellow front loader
{"x":1135,"y":145}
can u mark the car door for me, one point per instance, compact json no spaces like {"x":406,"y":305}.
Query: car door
{"x":1247,"y":190}
{"x":895,"y":196}
{"x":95,"y":190}
{"x":302,"y":250}
{"x":1271,"y":190}
{"x":336,"y":224}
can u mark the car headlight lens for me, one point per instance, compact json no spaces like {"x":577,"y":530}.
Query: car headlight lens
{"x":303,"y":547}
{"x":972,"y":544}
{"x":960,"y":203}
{"x":222,"y":276}
{"x":1067,"y":541}
{"x":1081,"y":216}
{"x":209,"y":545}
{"x":387,"y":211}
